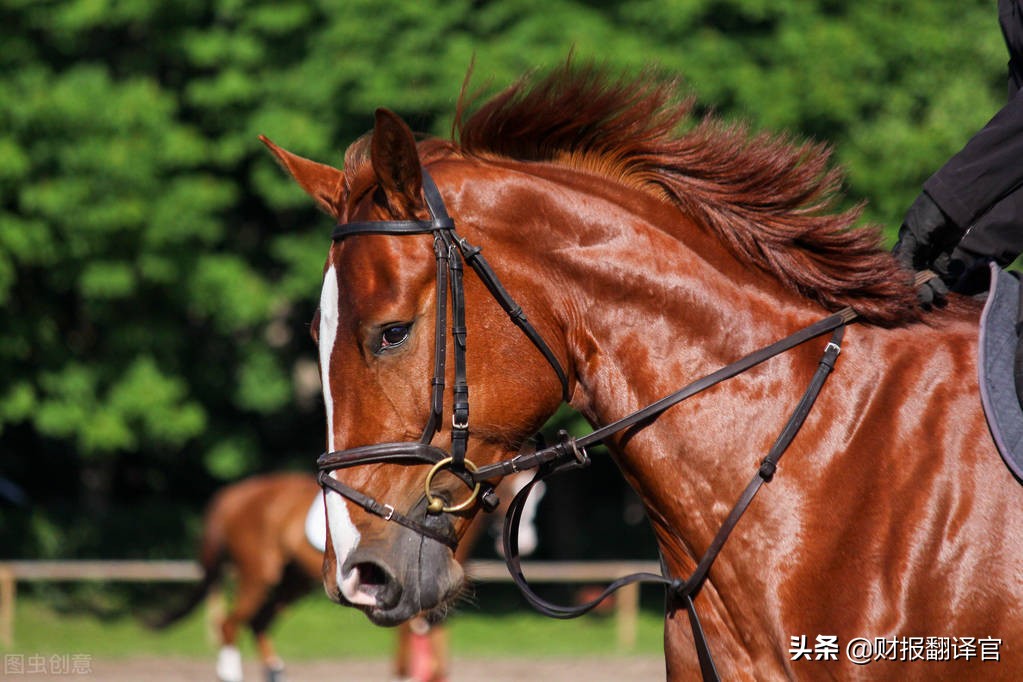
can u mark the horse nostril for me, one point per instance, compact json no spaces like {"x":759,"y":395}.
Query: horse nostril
{"x":370,"y":574}
{"x":377,"y":582}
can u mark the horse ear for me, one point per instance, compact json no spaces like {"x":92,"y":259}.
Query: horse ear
{"x":396,"y":162}
{"x":322,"y":182}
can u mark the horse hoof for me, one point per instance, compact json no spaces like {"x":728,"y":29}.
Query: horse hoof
{"x":276,"y":675}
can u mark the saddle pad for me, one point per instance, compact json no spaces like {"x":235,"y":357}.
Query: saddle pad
{"x":316,"y":523}
{"x":996,"y":354}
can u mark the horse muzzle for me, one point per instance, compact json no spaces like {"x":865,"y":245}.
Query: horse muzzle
{"x":400,"y":575}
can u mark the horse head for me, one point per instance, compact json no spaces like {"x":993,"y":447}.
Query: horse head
{"x":392,"y":374}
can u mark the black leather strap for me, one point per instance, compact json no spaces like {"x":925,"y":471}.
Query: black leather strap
{"x":569,"y":452}
{"x":707,"y":668}
{"x":394,"y":227}
{"x":460,"y":389}
{"x":475,"y":259}
{"x":753,"y":359}
{"x":384,"y":511}
{"x":769,"y":464}
{"x":440,"y":250}
{"x":381,"y":453}
{"x":405,"y":454}
{"x":687,"y":590}
{"x":513,"y":560}
{"x":449,"y":252}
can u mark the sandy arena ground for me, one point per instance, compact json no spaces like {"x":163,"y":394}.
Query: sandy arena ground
{"x":462,"y":670}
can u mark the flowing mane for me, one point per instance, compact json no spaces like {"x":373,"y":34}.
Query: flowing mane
{"x":768,"y":198}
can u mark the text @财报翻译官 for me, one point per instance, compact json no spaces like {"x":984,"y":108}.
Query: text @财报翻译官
{"x":865,"y":650}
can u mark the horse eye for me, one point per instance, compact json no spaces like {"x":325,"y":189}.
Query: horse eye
{"x":394,"y":335}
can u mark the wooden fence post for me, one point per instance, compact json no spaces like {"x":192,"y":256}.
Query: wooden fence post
{"x":8,"y":592}
{"x":627,"y":616}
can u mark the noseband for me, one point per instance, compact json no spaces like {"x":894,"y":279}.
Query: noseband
{"x":450,"y":251}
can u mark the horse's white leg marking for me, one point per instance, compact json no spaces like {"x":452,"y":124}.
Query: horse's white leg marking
{"x":344,"y":536}
{"x":229,"y":664}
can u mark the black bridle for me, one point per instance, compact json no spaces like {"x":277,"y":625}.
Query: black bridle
{"x":450,"y":251}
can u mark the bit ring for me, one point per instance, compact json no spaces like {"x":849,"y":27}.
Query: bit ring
{"x":435,"y":505}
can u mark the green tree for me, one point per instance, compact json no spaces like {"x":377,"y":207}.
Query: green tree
{"x":157,"y":271}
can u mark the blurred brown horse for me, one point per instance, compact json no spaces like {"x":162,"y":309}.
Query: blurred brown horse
{"x":649,"y":249}
{"x":261,"y":526}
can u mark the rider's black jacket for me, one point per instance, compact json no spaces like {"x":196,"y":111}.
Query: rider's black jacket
{"x":981,"y":187}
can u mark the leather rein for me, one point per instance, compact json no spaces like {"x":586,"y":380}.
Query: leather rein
{"x":450,"y":251}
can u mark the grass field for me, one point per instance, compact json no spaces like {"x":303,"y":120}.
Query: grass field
{"x":314,"y":628}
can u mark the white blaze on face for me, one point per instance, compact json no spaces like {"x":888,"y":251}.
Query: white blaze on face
{"x":344,"y":536}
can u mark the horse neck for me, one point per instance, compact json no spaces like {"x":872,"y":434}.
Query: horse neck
{"x":649,"y":303}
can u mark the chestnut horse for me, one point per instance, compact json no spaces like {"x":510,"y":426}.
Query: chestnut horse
{"x":646,"y":250}
{"x":259,"y":526}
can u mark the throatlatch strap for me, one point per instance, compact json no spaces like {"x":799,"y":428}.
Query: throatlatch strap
{"x":475,"y":259}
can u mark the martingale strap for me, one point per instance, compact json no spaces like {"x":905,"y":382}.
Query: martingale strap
{"x":570,"y":453}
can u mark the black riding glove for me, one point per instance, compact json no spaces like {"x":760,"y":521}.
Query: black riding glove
{"x":927,"y":235}
{"x":963,"y":271}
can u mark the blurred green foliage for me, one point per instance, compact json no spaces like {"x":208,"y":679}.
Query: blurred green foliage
{"x":158,"y":272}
